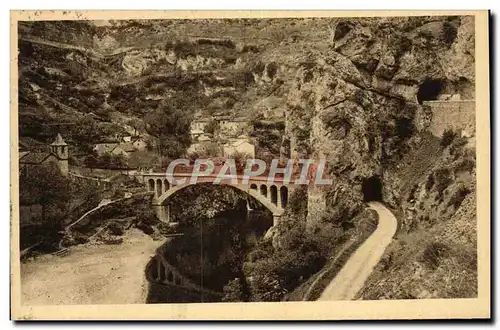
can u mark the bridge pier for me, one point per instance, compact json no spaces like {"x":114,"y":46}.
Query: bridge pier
{"x":162,"y":212}
{"x":159,"y":270}
{"x":276,"y":219}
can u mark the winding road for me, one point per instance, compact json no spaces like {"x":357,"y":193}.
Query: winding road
{"x":353,"y":275}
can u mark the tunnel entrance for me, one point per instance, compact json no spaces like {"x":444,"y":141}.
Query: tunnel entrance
{"x":430,"y":90}
{"x":372,"y":189}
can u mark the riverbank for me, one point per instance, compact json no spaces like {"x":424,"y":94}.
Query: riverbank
{"x":91,"y":274}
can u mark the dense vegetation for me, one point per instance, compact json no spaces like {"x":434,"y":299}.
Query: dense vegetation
{"x":60,"y":201}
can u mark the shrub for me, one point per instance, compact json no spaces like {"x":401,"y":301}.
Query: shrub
{"x":449,"y":33}
{"x":233,"y":291}
{"x":116,"y":228}
{"x":443,"y":180}
{"x":458,"y":196}
{"x":267,"y":287}
{"x":433,"y":254}
{"x":458,"y":145}
{"x":447,"y":138}
{"x":466,"y":164}
{"x":272,"y":69}
{"x":297,"y":202}
{"x":147,"y":216}
{"x":430,"y":182}
{"x":342,"y":29}
{"x":412,"y":193}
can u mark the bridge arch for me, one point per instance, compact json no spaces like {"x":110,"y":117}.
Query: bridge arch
{"x":159,"y":190}
{"x":274,"y":194}
{"x":263,"y":190}
{"x":260,"y":195}
{"x":284,"y":196}
{"x":151,"y":184}
{"x":253,"y":186}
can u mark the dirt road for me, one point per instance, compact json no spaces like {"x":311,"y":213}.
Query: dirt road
{"x":353,"y":275}
{"x":97,"y":274}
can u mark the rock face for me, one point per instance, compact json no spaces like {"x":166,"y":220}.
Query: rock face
{"x":358,"y":104}
{"x":376,"y":105}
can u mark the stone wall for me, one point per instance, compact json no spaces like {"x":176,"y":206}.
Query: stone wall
{"x":458,"y":115}
{"x":98,"y":172}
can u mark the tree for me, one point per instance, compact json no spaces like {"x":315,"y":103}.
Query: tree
{"x":170,"y":124}
{"x":44,"y":185}
{"x":85,"y":133}
{"x":91,"y":160}
{"x":234,"y":291}
{"x":212,"y":126}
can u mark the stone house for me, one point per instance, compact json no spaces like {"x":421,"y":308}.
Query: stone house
{"x":57,"y":153}
{"x":239,"y":145}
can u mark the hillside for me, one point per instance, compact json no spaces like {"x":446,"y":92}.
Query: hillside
{"x":92,"y":81}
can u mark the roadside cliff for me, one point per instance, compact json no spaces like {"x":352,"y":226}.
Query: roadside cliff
{"x":390,"y":106}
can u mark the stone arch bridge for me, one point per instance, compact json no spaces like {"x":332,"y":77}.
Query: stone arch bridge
{"x":273,"y":195}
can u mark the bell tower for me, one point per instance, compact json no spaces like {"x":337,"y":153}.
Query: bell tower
{"x":60,"y":149}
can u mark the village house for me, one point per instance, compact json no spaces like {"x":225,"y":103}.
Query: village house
{"x":201,"y":143}
{"x":133,"y":141}
{"x":231,"y":126}
{"x":199,"y":124}
{"x":139,"y":143}
{"x":239,"y":145}
{"x":30,"y":144}
{"x":112,"y":148}
{"x":195,"y":133}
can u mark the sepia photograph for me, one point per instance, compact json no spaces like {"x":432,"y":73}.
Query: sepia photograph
{"x":241,"y":165}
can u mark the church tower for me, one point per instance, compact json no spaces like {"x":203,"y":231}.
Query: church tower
{"x":60,"y":149}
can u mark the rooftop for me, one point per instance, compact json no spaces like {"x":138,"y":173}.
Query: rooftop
{"x":34,"y":157}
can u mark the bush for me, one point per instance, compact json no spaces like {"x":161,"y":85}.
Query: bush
{"x":458,"y":196}
{"x":147,"y":216}
{"x":272,"y":69}
{"x":433,"y":254}
{"x":466,"y":164}
{"x":116,"y":228}
{"x":430,"y":182}
{"x":146,"y":229}
{"x":450,"y":33}
{"x":233,"y":291}
{"x":458,"y":145}
{"x":443,"y":180}
{"x":447,"y":138}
